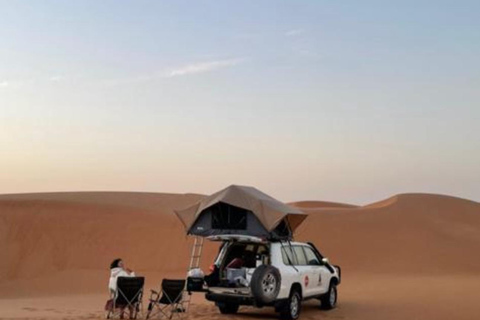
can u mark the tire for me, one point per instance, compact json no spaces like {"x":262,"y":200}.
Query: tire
{"x":265,"y":284}
{"x":228,"y":308}
{"x":329,"y":300}
{"x":293,"y":306}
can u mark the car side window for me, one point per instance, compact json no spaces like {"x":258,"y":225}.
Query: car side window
{"x":288,"y":256}
{"x":300,"y":255}
{"x":312,"y":258}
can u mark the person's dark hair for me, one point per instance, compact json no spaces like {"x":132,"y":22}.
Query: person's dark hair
{"x":115,"y":263}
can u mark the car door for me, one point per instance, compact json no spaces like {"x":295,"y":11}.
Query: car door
{"x":325,"y":276}
{"x":316,"y":270}
{"x":306,"y":275}
{"x":322,"y":272}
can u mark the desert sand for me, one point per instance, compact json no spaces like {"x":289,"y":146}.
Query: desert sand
{"x":412,"y":256}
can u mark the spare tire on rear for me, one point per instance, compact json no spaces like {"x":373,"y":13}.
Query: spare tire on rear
{"x":265,"y":284}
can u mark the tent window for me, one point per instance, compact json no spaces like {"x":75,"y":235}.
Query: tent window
{"x":226,"y":216}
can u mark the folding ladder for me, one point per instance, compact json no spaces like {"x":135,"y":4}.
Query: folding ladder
{"x":196,"y":253}
{"x":194,"y":264}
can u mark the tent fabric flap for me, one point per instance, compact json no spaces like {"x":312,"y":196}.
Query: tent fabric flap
{"x":240,"y":210}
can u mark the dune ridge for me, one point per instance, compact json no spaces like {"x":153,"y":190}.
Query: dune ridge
{"x":419,"y":198}
{"x":408,"y":233}
{"x":320,"y":204}
{"x":65,"y":231}
{"x":62,"y":243}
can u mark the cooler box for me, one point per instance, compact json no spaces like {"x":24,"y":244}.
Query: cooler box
{"x":194,"y":284}
{"x":232,"y":274}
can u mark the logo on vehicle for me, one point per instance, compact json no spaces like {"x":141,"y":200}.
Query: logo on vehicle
{"x":306,"y":281}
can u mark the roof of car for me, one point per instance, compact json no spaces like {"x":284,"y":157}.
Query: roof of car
{"x":293,"y":243}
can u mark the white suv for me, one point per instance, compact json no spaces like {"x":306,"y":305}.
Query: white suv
{"x":256,"y":272}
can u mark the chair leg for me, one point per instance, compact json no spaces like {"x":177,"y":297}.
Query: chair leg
{"x":153,"y":310}
{"x":138,"y":309}
{"x":175,"y":310}
{"x":131,"y":312}
{"x":166,"y":311}
{"x":178,"y":310}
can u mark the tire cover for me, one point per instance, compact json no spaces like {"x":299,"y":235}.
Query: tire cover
{"x":265,"y":284}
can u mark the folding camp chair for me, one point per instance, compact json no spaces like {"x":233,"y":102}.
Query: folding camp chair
{"x":127,"y":297}
{"x":170,"y":302}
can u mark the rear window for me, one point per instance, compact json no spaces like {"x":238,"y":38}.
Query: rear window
{"x":287,"y":256}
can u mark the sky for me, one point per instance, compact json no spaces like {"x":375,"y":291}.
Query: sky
{"x":349,"y":101}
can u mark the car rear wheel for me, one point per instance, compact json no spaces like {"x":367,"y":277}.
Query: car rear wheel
{"x":291,"y":310}
{"x":228,"y":308}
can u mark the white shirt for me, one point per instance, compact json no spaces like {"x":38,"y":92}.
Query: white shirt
{"x":114,"y":274}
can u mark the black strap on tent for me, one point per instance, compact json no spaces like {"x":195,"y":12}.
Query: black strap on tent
{"x":290,"y":245}
{"x":288,"y":257}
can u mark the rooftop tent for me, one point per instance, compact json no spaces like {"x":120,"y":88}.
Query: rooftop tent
{"x":241,"y":210}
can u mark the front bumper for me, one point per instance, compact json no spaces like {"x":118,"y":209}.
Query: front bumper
{"x":339,"y":271}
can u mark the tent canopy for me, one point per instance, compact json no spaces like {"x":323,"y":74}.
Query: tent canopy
{"x":241,"y":210}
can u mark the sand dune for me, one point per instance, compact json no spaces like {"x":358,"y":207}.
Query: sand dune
{"x":62,"y":243}
{"x":41,"y":236}
{"x":413,"y":233}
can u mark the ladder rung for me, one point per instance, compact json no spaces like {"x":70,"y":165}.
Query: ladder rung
{"x":196,"y":255}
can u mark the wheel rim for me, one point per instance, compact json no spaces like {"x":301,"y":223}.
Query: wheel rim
{"x":294,"y":305}
{"x":333,"y":296}
{"x":269,"y":284}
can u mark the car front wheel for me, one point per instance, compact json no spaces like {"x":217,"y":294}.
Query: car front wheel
{"x":329,"y":300}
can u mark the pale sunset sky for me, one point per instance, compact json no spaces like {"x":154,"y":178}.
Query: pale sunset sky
{"x":349,"y":101}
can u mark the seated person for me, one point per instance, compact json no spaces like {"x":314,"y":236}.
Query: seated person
{"x":117,"y":269}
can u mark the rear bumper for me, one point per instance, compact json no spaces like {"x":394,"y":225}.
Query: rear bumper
{"x":226,"y":298}
{"x":241,"y":300}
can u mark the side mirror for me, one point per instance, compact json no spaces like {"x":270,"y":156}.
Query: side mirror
{"x":325,"y":261}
